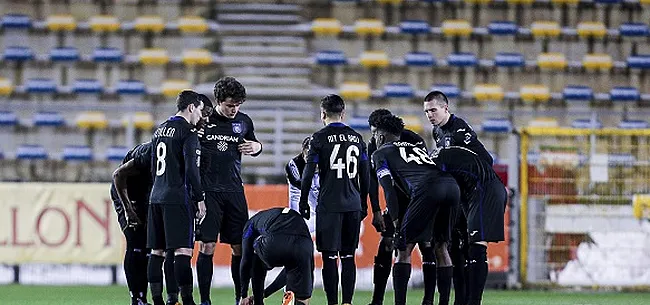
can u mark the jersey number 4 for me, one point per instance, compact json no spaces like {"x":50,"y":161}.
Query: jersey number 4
{"x":351,"y":161}
{"x":161,"y":153}
{"x":421,"y":157}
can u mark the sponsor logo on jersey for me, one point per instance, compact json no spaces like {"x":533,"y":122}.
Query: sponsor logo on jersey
{"x":222,"y":146}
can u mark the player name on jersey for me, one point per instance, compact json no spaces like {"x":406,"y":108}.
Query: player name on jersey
{"x":167,"y":132}
{"x":342,"y":138}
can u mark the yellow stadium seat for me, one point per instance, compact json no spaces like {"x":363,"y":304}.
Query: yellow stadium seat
{"x":172,"y":87}
{"x":641,"y":206}
{"x":543,"y":122}
{"x":591,"y":29}
{"x":565,"y":1}
{"x":104,"y":23}
{"x":197,"y":57}
{"x":5,"y":86}
{"x":149,"y":23}
{"x":369,"y":27}
{"x":61,"y":23}
{"x":555,"y":61}
{"x":326,"y":26}
{"x":488,"y":92}
{"x":154,"y":56}
{"x":141,"y":120}
{"x":478,"y":1}
{"x":515,"y":2}
{"x":644,"y":1}
{"x":395,"y":2}
{"x":192,"y":24}
{"x":545,"y":29}
{"x":374,"y":59}
{"x":355,"y":91}
{"x":597,"y":61}
{"x":457,"y":27}
{"x":534,"y":93}
{"x":413,"y":123}
{"x":92,"y":119}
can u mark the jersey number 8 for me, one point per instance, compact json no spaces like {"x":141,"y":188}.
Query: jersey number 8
{"x":161,"y":153}
{"x":351,"y":161}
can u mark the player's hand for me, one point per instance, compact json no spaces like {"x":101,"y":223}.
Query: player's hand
{"x":303,"y":206}
{"x":378,"y":222}
{"x":247,"y":301}
{"x":249,"y":147}
{"x":132,"y":217}
{"x":200,"y":214}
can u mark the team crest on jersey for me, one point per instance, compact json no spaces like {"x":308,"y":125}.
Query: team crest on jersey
{"x":237,"y":127}
{"x":447,"y":141}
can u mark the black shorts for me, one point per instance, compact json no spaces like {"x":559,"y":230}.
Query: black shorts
{"x":485,"y":211}
{"x":141,"y":209}
{"x":337,"y":231}
{"x":293,"y":252}
{"x":226,"y":215}
{"x":170,"y":226}
{"x":403,"y":201}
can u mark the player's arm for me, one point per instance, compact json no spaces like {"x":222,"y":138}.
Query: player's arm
{"x":293,"y":175}
{"x":386,"y":181}
{"x":251,"y":145}
{"x":120,"y":176}
{"x":308,"y":176}
{"x":373,"y":183}
{"x":364,"y":171}
{"x":191,"y":153}
{"x":247,"y":257}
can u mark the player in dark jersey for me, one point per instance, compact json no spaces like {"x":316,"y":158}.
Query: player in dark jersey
{"x":264,"y":246}
{"x":483,"y":198}
{"x":176,"y":190}
{"x":433,"y":195}
{"x":384,"y":225}
{"x":228,"y":134}
{"x":130,"y":194}
{"x":342,"y":160}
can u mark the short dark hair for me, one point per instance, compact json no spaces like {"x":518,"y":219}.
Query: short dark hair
{"x":437,"y":96}
{"x":305,"y":142}
{"x":186,"y":98}
{"x":391,"y":124}
{"x":374,"y":116}
{"x":229,"y":87}
{"x":206,"y":100}
{"x":332,"y":104}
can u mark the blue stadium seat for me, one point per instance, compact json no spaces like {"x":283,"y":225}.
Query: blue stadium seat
{"x":16,"y":21}
{"x":8,"y":118}
{"x":497,"y":125}
{"x":621,"y":159}
{"x":577,"y":93}
{"x":31,"y":152}
{"x":634,"y":29}
{"x":40,"y":85}
{"x":331,"y":58}
{"x":624,"y":94}
{"x":359,"y":123}
{"x":18,"y":53}
{"x":607,"y":1}
{"x":462,"y":59}
{"x":450,"y":90}
{"x":509,"y":60}
{"x":419,"y":59}
{"x":77,"y":153}
{"x":639,"y":62}
{"x":585,"y":124}
{"x":116,"y":153}
{"x":400,"y":90}
{"x":48,"y":118}
{"x":107,"y":55}
{"x":64,"y":54}
{"x":633,"y":124}
{"x":87,"y":86}
{"x":414,"y":27}
{"x":131,"y":87}
{"x":501,"y":28}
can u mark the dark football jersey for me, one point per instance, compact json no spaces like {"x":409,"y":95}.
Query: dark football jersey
{"x":175,"y":163}
{"x":338,"y":151}
{"x":284,"y":221}
{"x":138,"y":186}
{"x":467,"y":168}
{"x":456,"y":132}
{"x":221,"y":159}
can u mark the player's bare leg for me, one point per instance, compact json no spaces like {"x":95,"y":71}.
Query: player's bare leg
{"x":155,"y":277}
{"x":444,"y":272}
{"x":402,"y":274}
{"x":183,"y":271}
{"x":478,"y":270}
{"x":204,"y":270}
{"x":235,"y":263}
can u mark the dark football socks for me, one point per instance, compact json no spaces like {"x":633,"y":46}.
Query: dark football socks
{"x":154,"y":275}
{"x":429,"y":274}
{"x":204,"y":269}
{"x":235,"y":262}
{"x":401,"y":276}
{"x":380,"y":274}
{"x":478,"y":270}
{"x":170,"y":279}
{"x":331,"y":277}
{"x":348,"y":277}
{"x":444,"y":275}
{"x":183,"y":271}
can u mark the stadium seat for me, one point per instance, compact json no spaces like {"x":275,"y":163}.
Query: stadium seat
{"x":509,"y":60}
{"x":88,"y":86}
{"x":414,"y":27}
{"x":500,"y":28}
{"x":478,"y":1}
{"x":116,"y":153}
{"x":326,"y":26}
{"x":419,"y":59}
{"x":543,"y":122}
{"x":8,"y":118}
{"x":565,"y":2}
{"x":31,"y":152}
{"x":61,"y":23}
{"x":104,"y":23}
{"x":534,"y":93}
{"x":172,"y":87}
{"x":128,"y":87}
{"x":92,"y":120}
{"x":65,"y":54}
{"x":358,"y":123}
{"x":40,"y":85}
{"x":192,"y":24}
{"x":331,"y":58}
{"x":456,"y":27}
{"x":462,"y":60}
{"x":374,"y":59}
{"x":141,"y":120}
{"x":577,"y":93}
{"x":15,"y":53}
{"x":634,"y":30}
{"x":551,"y":61}
{"x":545,"y":29}
{"x":355,"y":91}
{"x":413,"y":123}
{"x":450,"y":90}
{"x":16,"y":21}
{"x":488,"y":92}
{"x":369,"y":27}
{"x":633,"y":124}
{"x":48,"y":118}
{"x":520,"y":2}
{"x":110,"y":55}
{"x":153,"y":56}
{"x":585,"y":123}
{"x":393,"y":2}
{"x":639,"y":62}
{"x":589,"y":29}
{"x":597,"y":61}
{"x":496,"y":125}
{"x":6,"y":88}
{"x":197,"y":57}
{"x":607,"y":1}
{"x":399,"y":90}
{"x":77,"y":153}
{"x":624,"y":94}
{"x":149,"y":23}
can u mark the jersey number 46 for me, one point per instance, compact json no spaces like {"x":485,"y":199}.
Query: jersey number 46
{"x":351,"y":161}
